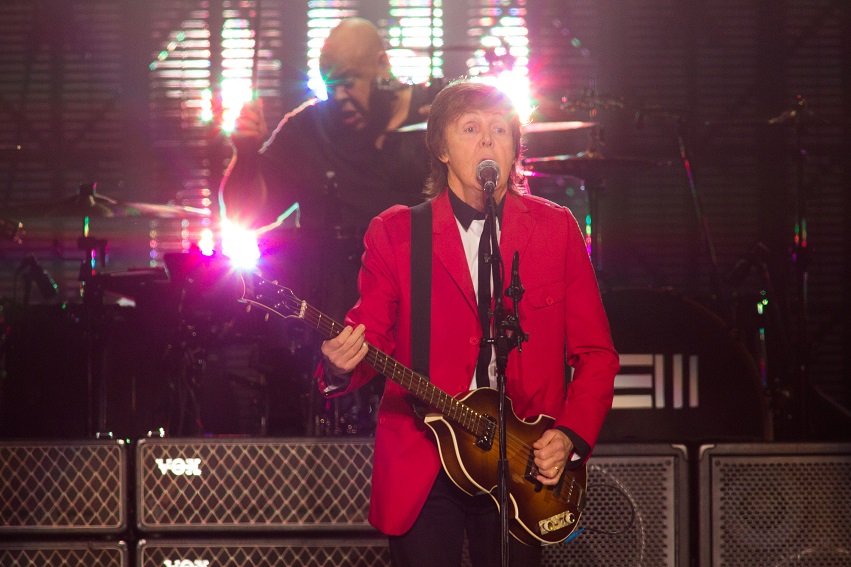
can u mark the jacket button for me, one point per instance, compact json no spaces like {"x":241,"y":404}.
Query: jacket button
{"x":382,"y":420}
{"x":474,"y":341}
{"x":549,"y":301}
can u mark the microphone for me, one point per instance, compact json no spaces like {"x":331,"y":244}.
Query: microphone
{"x":487,"y":173}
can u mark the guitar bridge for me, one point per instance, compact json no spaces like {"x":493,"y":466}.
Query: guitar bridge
{"x":485,"y":440}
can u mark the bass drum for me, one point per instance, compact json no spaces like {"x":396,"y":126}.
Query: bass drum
{"x":685,"y":375}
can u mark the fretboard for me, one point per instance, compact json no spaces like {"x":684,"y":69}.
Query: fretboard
{"x":415,"y":383}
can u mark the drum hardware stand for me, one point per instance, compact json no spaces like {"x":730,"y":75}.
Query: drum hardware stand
{"x":796,"y":344}
{"x":703,"y":222}
{"x":190,"y":366}
{"x":593,"y":102}
{"x":769,"y":318}
{"x":593,"y":182}
{"x":800,"y":257}
{"x":92,"y":298}
{"x":31,"y":272}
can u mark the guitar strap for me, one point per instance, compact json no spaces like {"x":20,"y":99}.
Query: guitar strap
{"x":420,"y":287}
{"x":420,"y":291}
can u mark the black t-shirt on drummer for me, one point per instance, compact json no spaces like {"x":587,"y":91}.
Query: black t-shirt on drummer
{"x":340,"y":181}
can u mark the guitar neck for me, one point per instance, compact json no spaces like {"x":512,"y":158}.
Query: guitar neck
{"x":394,"y":370}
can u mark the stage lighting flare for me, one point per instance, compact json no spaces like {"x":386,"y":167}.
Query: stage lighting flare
{"x":515,"y":84}
{"x":235,"y":93}
{"x":206,"y":242}
{"x":240,"y":245}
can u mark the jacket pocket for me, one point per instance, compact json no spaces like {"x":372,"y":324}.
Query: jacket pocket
{"x":545,"y":295}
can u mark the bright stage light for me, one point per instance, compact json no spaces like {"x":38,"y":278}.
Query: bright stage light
{"x":515,"y":84}
{"x":240,"y":245}
{"x":206,"y":242}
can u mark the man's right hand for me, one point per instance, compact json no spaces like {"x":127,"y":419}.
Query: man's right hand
{"x":250,"y":130}
{"x":345,"y":351}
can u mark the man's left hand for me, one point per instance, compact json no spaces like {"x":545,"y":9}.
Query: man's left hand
{"x":551,"y":452}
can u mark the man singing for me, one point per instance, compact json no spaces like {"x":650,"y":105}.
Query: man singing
{"x":413,"y":501}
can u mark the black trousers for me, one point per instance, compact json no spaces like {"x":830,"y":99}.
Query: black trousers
{"x":437,"y":537}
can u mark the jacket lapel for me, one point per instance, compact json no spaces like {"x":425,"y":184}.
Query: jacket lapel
{"x":449,"y":250}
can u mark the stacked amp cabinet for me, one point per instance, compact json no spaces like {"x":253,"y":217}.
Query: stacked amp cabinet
{"x":63,"y":503}
{"x":242,"y":502}
{"x":775,"y":505}
{"x":228,"y":502}
{"x":256,"y":502}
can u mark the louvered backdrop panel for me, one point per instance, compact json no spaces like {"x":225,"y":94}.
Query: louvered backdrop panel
{"x":85,"y":97}
{"x":725,"y":68}
{"x":188,"y":57}
{"x":112,"y":92}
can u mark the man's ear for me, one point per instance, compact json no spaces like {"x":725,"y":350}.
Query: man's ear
{"x":384,"y":61}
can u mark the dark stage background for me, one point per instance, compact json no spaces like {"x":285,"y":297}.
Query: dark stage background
{"x":758,"y":92}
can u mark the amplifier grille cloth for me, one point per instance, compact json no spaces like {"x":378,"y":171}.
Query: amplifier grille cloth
{"x":50,"y":554}
{"x":652,"y":487}
{"x":62,"y":488}
{"x":265,"y":554}
{"x":325,"y":484}
{"x":779,"y":510}
{"x":250,"y":485}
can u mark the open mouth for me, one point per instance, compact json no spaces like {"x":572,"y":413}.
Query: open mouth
{"x":349,"y":117}
{"x":347,"y":114}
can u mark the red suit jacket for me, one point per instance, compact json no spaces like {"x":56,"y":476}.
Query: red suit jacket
{"x":561,"y":311}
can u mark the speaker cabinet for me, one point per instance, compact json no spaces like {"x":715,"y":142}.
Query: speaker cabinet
{"x":637,"y":511}
{"x":356,"y":552}
{"x":58,"y":488}
{"x":777,"y":504}
{"x":253,"y":485}
{"x":63,"y":554}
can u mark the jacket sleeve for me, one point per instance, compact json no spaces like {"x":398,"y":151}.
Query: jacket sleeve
{"x":588,"y":346}
{"x":378,"y":306}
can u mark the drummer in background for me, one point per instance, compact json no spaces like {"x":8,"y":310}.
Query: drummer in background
{"x":342,"y":163}
{"x":338,"y":159}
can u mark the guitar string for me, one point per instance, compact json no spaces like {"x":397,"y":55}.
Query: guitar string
{"x":471,"y":420}
{"x":518,"y":448}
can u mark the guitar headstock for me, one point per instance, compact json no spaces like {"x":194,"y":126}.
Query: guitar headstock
{"x":271,"y":296}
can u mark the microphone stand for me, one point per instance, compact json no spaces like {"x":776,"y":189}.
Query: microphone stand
{"x":507,"y":336}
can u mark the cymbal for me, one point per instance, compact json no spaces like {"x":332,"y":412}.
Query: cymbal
{"x":535,"y":127}
{"x":88,"y":203}
{"x":584,"y":164}
{"x":791,"y":118}
{"x":418,"y":127}
{"x":796,"y":115}
{"x":532,"y":127}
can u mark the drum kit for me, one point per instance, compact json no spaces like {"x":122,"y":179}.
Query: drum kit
{"x":165,"y":349}
{"x":89,"y":317}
